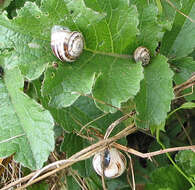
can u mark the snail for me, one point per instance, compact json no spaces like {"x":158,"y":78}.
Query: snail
{"x":111,"y":161}
{"x":66,"y":45}
{"x":142,"y":54}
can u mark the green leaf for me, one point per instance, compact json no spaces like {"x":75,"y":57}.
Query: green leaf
{"x":168,"y":11}
{"x":29,"y":35}
{"x":167,"y":177}
{"x":72,"y":183}
{"x":66,"y":83}
{"x":29,"y":51}
{"x":79,"y":114}
{"x":106,"y":35}
{"x":26,"y":127}
{"x":73,"y":144}
{"x":154,"y":99}
{"x":180,"y":41}
{"x":39,"y":186}
{"x":117,"y":32}
{"x":118,"y":183}
{"x":186,"y":160}
{"x":73,"y":80}
{"x":187,"y":105}
{"x":93,"y":181}
{"x":15,"y":5}
{"x":150,"y":29}
{"x":4,"y":3}
{"x":185,"y":68}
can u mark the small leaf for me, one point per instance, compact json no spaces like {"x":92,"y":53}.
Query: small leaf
{"x":186,"y":160}
{"x":187,"y":105}
{"x":180,"y":41}
{"x":154,"y":99}
{"x":167,"y":177}
{"x":26,"y":127}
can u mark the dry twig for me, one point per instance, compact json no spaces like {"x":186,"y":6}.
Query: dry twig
{"x":85,"y":154}
{"x":172,"y":5}
{"x":189,"y":83}
{"x":59,"y":165}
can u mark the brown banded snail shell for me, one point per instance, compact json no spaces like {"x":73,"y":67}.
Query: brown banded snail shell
{"x":66,"y":45}
{"x":110,"y":162}
{"x":142,"y":54}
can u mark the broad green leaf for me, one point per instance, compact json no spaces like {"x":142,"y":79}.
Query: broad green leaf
{"x":29,"y":34}
{"x":186,"y":160}
{"x":185,"y":68}
{"x":26,"y":127}
{"x":154,"y":99}
{"x":117,"y":32}
{"x":107,"y":34}
{"x":180,"y":41}
{"x":117,"y":81}
{"x":29,"y":51}
{"x":149,"y":26}
{"x":167,"y":177}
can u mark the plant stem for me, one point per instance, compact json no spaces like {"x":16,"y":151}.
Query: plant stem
{"x":171,"y":160}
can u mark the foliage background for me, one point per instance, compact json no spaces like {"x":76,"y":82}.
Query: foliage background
{"x":42,"y":98}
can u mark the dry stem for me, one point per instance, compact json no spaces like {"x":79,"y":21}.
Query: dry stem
{"x":172,"y":5}
{"x":59,"y":165}
{"x":87,"y":153}
{"x":189,"y":83}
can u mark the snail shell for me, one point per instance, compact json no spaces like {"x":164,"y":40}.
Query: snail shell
{"x":113,"y":162}
{"x":142,"y":54}
{"x":66,"y":45}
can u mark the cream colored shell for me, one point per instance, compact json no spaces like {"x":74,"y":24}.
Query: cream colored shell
{"x":65,"y":44}
{"x":116,"y":165}
{"x":142,"y":54}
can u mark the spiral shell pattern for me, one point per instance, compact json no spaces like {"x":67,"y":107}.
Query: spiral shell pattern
{"x":112,"y":163}
{"x":142,"y":54}
{"x":66,"y":45}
